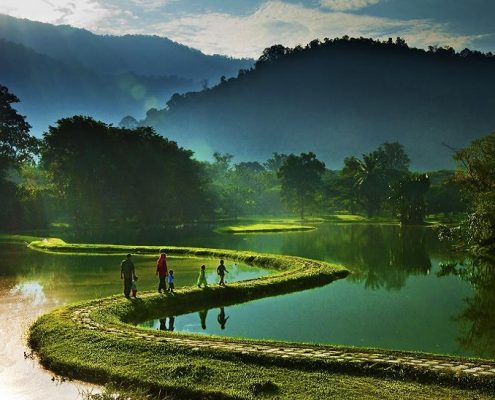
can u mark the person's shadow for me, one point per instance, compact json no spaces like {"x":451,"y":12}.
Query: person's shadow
{"x":222,"y":320}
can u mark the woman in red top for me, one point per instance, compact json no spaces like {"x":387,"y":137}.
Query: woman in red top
{"x":161,"y":271}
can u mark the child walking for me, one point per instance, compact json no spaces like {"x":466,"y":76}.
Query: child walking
{"x":171,"y":281}
{"x":202,"y":277}
{"x":221,"y":270}
{"x":134,"y":287}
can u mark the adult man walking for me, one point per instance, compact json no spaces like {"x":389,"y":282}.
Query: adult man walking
{"x":161,"y":271}
{"x":127,"y":273}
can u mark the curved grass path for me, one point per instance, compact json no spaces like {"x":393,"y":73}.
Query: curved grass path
{"x":96,"y":341}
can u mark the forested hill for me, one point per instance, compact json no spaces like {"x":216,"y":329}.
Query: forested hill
{"x":134,"y":72}
{"x":338,"y":98}
{"x":50,"y":89}
{"x":107,"y":54}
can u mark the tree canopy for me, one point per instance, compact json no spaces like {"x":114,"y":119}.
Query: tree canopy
{"x":109,"y":174}
{"x":301,"y":178}
{"x":16,"y":144}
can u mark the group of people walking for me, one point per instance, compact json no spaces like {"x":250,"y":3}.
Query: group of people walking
{"x":165,"y":275}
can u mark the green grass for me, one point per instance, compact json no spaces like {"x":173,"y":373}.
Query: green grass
{"x":360,"y":219}
{"x":102,"y":356}
{"x":180,"y":374}
{"x":264,"y":227}
{"x":17,"y":238}
{"x":431,"y":220}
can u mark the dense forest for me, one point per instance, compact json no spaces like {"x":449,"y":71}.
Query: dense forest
{"x":87,"y":173}
{"x":342,"y":96}
{"x":61,"y":70}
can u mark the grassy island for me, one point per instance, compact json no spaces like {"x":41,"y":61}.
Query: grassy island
{"x":264,"y":227}
{"x":98,"y":341}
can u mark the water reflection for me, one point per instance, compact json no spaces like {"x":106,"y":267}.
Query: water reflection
{"x":186,"y":323}
{"x":222,"y":319}
{"x":31,"y":291}
{"x":202,"y":317}
{"x":477,"y":319}
{"x":163,"y":324}
{"x":380,"y":256}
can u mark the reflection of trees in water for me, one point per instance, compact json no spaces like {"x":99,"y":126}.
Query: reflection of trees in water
{"x":478,"y":318}
{"x":381,"y":256}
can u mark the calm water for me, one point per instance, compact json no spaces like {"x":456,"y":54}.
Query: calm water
{"x":393,"y":299}
{"x":33,"y":283}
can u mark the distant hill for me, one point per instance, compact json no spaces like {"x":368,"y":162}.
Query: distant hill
{"x":117,"y":75}
{"x":340,"y":97}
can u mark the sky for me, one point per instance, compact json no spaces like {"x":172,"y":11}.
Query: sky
{"x":243,"y":28}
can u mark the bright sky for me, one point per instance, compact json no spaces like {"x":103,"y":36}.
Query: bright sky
{"x":243,"y":28}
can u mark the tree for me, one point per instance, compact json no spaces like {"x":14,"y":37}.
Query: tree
{"x":129,"y":122}
{"x":273,"y":164}
{"x":301,"y":178}
{"x":106,"y":174}
{"x":374,"y":175}
{"x":476,"y":175}
{"x":369,"y":180}
{"x":16,"y":144}
{"x":393,"y":157}
{"x":408,"y":198}
{"x":271,"y":54}
{"x":445,"y":195}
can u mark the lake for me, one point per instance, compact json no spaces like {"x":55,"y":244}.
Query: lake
{"x":393,"y":299}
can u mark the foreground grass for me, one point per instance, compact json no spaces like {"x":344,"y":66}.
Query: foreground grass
{"x":177,"y":372}
{"x":264,"y":227}
{"x":174,"y":373}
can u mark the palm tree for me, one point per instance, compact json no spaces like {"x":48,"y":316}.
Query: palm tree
{"x":368,"y":176}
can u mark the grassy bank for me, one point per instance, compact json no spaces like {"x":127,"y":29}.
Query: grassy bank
{"x":96,"y":341}
{"x":264,"y":227}
{"x":17,"y":238}
{"x":179,"y":373}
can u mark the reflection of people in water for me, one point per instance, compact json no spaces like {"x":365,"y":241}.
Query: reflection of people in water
{"x":202,"y":316}
{"x":171,"y":322}
{"x":163,"y":324}
{"x":222,"y":320}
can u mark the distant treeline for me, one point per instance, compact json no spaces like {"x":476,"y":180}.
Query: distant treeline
{"x":88,"y":173}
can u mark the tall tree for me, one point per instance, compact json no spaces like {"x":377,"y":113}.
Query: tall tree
{"x":16,"y":147}
{"x":16,"y":144}
{"x":476,"y":174}
{"x":376,"y":173}
{"x":369,"y":180}
{"x":301,"y":178}
{"x":408,"y":198}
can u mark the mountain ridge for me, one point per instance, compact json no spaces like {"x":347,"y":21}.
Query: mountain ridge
{"x":338,"y":98}
{"x":131,"y":73}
